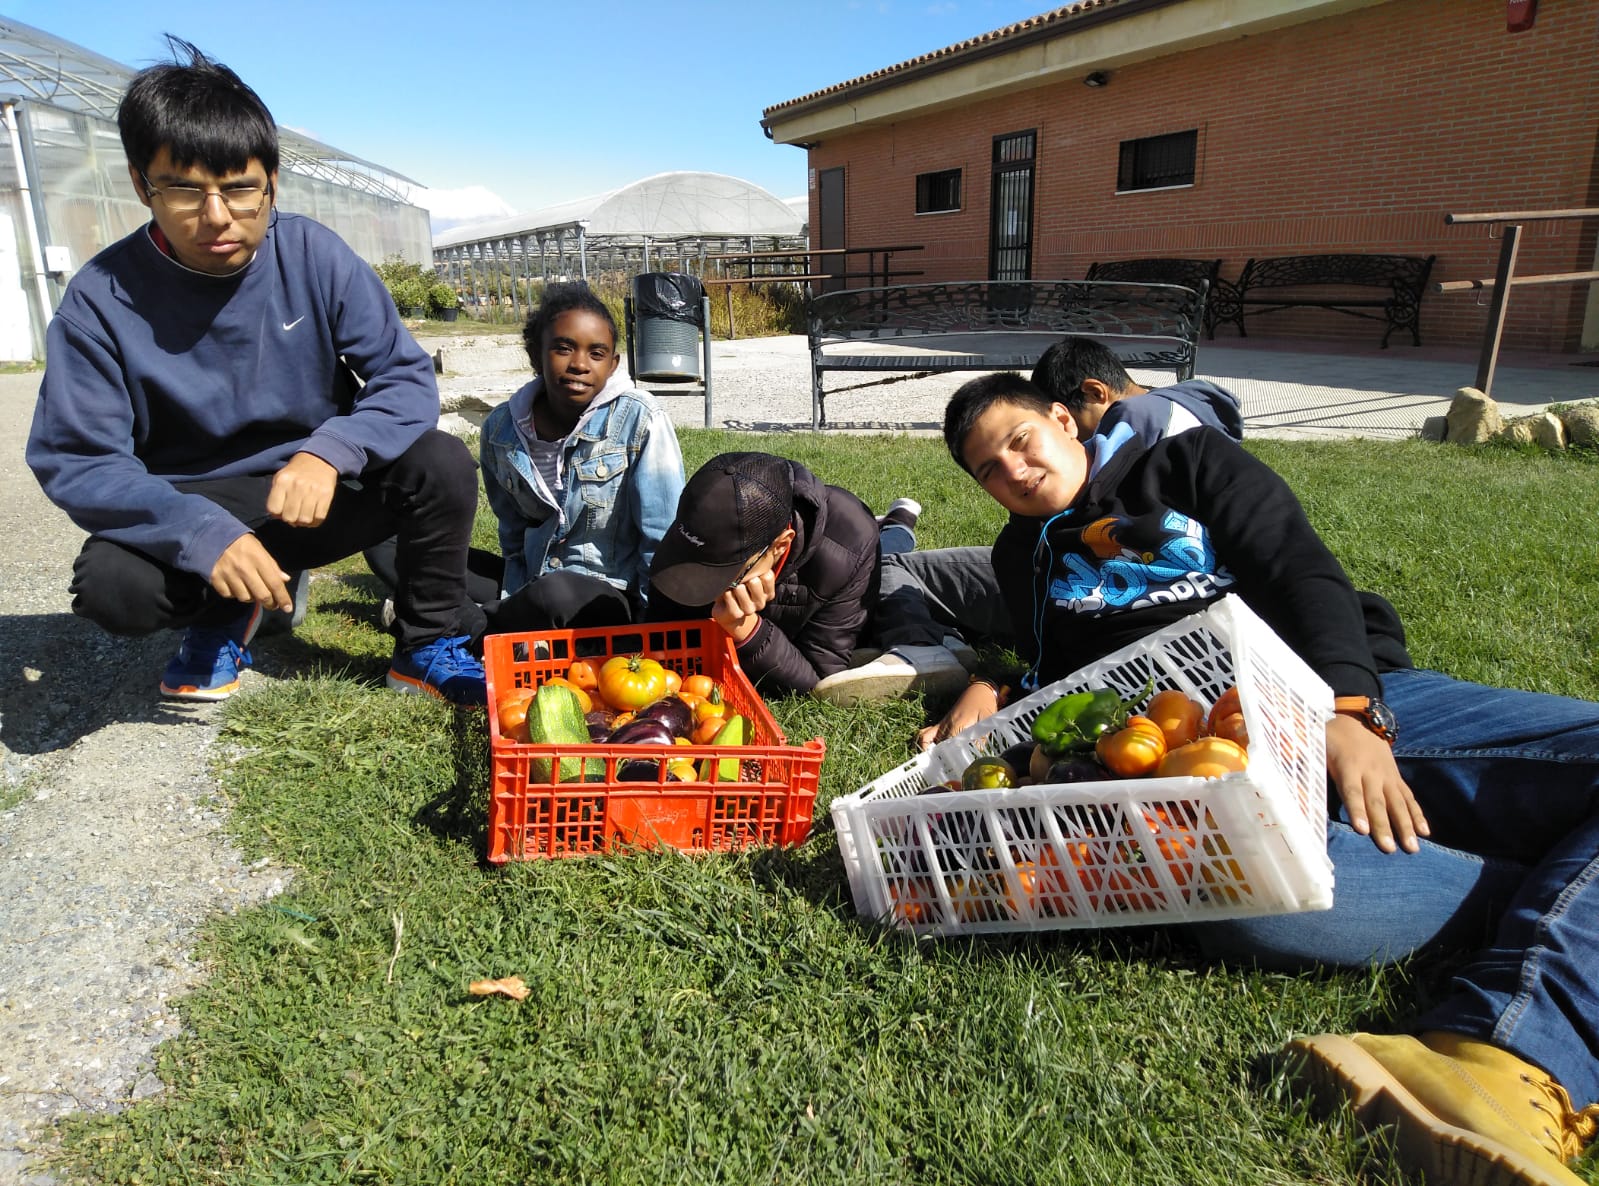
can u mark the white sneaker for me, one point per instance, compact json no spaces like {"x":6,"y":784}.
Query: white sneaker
{"x":903,"y":511}
{"x":895,"y":673}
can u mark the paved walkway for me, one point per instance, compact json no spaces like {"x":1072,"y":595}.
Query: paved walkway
{"x":1287,"y":389}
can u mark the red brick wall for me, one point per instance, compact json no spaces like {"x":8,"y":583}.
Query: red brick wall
{"x":1357,"y":132}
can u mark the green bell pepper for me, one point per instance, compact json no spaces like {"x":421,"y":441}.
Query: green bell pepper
{"x":1075,"y":721}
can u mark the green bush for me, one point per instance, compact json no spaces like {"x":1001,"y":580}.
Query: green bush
{"x":408,"y":283}
{"x":442,"y":296}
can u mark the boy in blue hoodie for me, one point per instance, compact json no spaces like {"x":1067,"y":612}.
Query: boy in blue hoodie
{"x":231,"y":398}
{"x":1086,"y":376}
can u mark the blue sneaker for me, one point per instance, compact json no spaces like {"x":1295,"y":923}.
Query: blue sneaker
{"x":444,"y":668}
{"x":210,"y":658}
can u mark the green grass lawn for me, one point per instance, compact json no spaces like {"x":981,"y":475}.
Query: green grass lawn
{"x":728,"y":1019}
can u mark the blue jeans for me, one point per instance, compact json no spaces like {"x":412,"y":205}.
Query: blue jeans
{"x":1509,"y":782}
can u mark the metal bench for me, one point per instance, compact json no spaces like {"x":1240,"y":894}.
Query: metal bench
{"x":1163,"y":270}
{"x":996,"y":325}
{"x":1303,"y":281}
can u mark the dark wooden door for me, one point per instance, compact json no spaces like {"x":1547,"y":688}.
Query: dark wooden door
{"x":830,"y":235}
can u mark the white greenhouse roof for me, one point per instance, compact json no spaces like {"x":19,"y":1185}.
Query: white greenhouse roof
{"x":679,"y":205}
{"x":39,"y":67}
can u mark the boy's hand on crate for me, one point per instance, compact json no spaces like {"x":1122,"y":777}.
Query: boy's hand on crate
{"x":976,"y":702}
{"x":1375,"y":794}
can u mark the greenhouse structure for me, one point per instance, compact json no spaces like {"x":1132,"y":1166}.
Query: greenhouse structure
{"x":671,"y":222}
{"x":65,"y":192}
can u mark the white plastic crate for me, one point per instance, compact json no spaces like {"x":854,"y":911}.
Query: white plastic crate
{"x":1118,"y":852}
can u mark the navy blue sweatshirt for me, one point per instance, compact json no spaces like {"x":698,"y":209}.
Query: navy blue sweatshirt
{"x":158,"y":374}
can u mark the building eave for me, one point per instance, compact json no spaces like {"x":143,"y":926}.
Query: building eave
{"x":1067,"y":43}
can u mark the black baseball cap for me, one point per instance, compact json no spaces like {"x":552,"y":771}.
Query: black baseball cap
{"x":732,"y":509}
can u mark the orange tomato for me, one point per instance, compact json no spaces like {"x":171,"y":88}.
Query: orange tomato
{"x":585,"y":674}
{"x":1226,"y":704}
{"x":1134,"y":751}
{"x":673,"y":682}
{"x":1174,"y":840}
{"x":511,"y":712}
{"x":705,"y":731}
{"x":1232,"y":728}
{"x":914,"y":903}
{"x":1178,"y":716}
{"x":701,"y":685}
{"x":584,"y":700}
{"x":712,"y":708}
{"x":1209,"y":757}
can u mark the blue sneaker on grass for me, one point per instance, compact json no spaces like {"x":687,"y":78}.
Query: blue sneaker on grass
{"x":444,"y":668}
{"x":210,"y":658}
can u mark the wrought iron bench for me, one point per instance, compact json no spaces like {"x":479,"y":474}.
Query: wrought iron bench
{"x":993,"y":325}
{"x":1303,"y":281}
{"x":1163,"y":270}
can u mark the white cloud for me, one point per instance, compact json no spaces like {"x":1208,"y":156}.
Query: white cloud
{"x":448,"y":207}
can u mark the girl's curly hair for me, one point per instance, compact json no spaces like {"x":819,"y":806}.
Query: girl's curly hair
{"x":557,"y":299}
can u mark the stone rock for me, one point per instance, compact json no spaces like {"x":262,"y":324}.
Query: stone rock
{"x":1472,"y":418}
{"x":1435,"y":428}
{"x":1582,"y":424}
{"x":1548,"y":432}
{"x":1543,"y":429}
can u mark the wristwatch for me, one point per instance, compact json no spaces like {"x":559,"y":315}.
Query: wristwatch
{"x":1373,"y":714}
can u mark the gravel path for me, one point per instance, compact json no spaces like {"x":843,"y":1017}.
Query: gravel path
{"x":111,"y":845}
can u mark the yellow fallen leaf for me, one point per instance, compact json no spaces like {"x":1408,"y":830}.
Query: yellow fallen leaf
{"x":510,"y":986}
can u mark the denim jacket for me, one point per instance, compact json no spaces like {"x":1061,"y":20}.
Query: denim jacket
{"x":623,"y":473}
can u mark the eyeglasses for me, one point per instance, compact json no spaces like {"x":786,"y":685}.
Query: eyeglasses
{"x":244,"y":199}
{"x":749,"y":567}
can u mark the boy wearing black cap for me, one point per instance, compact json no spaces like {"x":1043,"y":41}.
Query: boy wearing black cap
{"x":790,"y":568}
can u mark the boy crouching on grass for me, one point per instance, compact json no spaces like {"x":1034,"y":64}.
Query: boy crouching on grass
{"x":200,"y":416}
{"x":1465,"y":808}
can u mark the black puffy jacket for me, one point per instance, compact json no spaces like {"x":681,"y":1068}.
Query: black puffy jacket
{"x":824,"y":596}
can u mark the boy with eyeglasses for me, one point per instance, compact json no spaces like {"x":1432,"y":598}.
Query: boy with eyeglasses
{"x":231,"y":398}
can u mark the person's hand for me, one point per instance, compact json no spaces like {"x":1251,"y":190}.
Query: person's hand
{"x":302,"y":491}
{"x":246,"y":572}
{"x":975,"y":703}
{"x":738,"y":611}
{"x":1379,"y":802}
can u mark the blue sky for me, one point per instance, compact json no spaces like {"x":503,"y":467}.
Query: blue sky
{"x":527,"y":104}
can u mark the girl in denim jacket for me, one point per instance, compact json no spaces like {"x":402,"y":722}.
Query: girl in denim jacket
{"x":582,"y":471}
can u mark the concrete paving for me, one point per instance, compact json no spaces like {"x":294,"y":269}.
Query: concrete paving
{"x":1288,"y":389}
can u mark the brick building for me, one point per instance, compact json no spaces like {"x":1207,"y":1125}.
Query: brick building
{"x":1231,"y":129}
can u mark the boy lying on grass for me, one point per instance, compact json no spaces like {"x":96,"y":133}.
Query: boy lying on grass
{"x":1465,"y":809}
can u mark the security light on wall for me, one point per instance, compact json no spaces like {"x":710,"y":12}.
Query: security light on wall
{"x":1097,"y":79}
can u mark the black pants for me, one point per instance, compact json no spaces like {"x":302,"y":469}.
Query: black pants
{"x":425,"y":499}
{"x":554,"y":601}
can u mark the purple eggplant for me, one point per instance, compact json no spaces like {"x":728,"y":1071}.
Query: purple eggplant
{"x":671,"y":711}
{"x":638,"y":770}
{"x":599,"y":723}
{"x":1070,"y":770}
{"x":638,"y":732}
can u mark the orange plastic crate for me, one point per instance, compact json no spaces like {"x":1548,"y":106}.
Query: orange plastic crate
{"x":532,"y":818}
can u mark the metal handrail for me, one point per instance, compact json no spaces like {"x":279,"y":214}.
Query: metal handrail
{"x":1505,"y":278}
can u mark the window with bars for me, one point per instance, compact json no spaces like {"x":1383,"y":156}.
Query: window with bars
{"x":1156,"y":162}
{"x":938,"y":192}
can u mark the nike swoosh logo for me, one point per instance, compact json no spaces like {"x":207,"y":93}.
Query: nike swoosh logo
{"x":288,"y":325}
